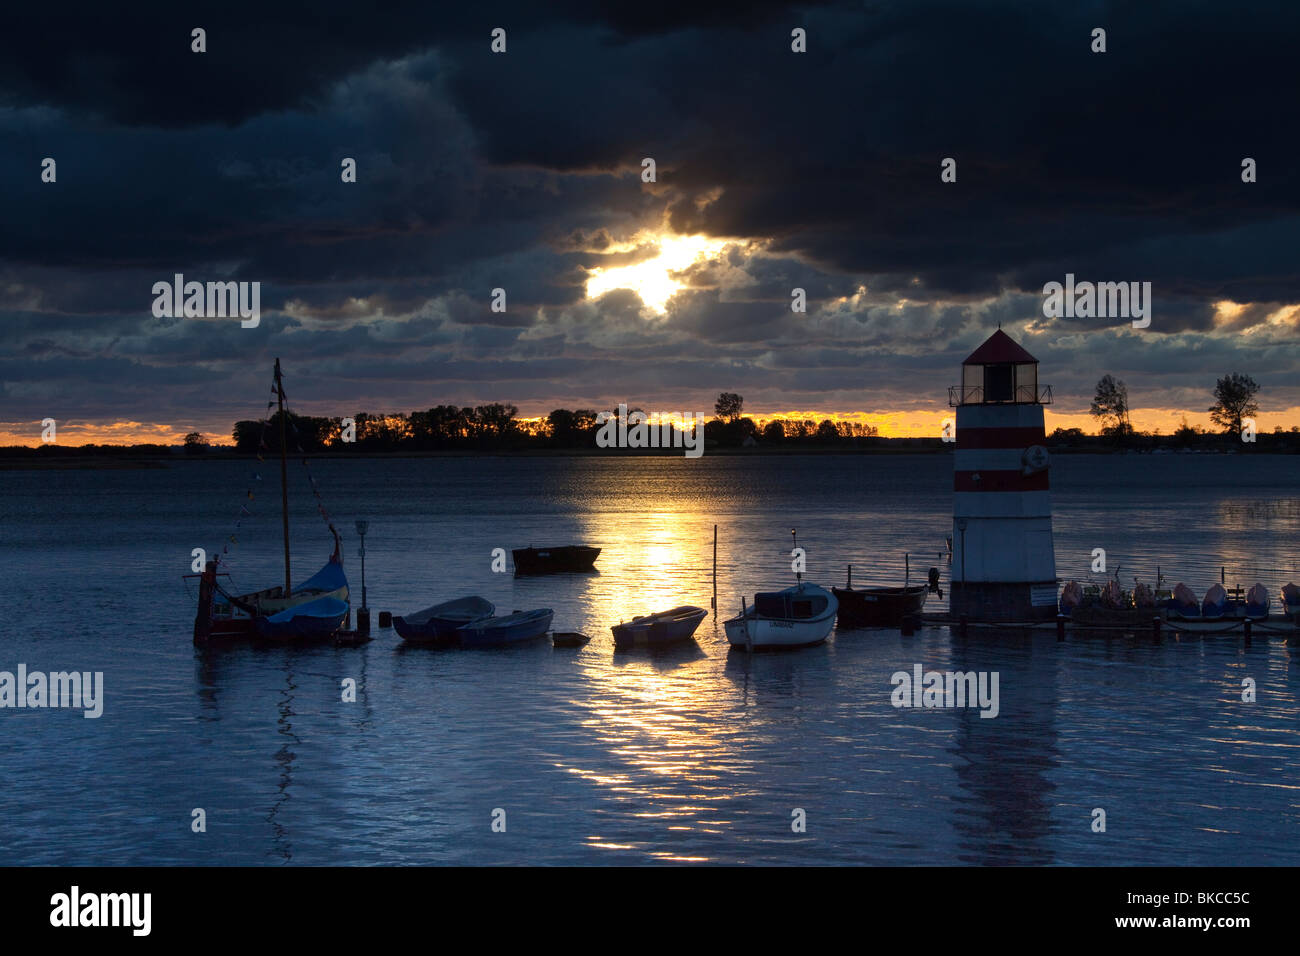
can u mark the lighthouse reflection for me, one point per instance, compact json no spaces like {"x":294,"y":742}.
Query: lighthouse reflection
{"x":1003,"y":763}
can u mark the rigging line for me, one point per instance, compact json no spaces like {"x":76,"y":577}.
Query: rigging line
{"x":248,"y":493}
{"x":306,"y":467}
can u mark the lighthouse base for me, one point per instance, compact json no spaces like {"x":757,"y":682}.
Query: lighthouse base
{"x":1001,"y":601}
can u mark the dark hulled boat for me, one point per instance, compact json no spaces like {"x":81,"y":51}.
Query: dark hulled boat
{"x":661,"y":629}
{"x":569,"y":639}
{"x":438,"y":624}
{"x":554,"y":560}
{"x":878,"y":607}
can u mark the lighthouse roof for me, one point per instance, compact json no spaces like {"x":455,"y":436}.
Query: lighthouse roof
{"x":999,"y":349}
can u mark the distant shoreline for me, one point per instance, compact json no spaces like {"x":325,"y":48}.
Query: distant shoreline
{"x":21,"y":458}
{"x":33,"y":458}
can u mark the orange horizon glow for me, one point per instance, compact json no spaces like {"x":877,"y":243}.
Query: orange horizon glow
{"x":910,"y":423}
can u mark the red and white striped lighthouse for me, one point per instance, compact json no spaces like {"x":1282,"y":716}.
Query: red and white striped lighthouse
{"x":1004,"y":564}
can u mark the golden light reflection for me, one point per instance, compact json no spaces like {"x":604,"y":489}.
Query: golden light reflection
{"x":666,"y":745}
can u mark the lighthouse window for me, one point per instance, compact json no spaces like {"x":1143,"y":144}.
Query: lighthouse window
{"x":1026,"y":383}
{"x":998,"y":383}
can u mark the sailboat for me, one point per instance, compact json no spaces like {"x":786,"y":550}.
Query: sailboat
{"x":313,"y":610}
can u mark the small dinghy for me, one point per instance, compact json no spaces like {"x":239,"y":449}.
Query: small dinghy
{"x":801,"y":616}
{"x":554,"y":560}
{"x":510,"y":629}
{"x":1215,"y":603}
{"x":1291,"y":599}
{"x":1257,"y":603}
{"x":659,"y":630}
{"x":1183,"y":604}
{"x":438,"y":624}
{"x":569,"y":639}
{"x":314,"y":620}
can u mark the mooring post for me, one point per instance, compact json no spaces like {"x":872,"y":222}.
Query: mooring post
{"x":203,"y":619}
{"x":1155,"y":629}
{"x":363,"y":614}
{"x":1060,"y":627}
{"x":1247,"y":629}
{"x":713,"y":604}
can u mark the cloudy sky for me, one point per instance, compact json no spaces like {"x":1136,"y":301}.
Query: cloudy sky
{"x":523,"y":171}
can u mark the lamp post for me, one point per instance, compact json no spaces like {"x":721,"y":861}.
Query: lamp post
{"x":363,"y":615}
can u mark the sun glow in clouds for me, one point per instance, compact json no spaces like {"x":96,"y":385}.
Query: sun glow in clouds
{"x":652,"y":279}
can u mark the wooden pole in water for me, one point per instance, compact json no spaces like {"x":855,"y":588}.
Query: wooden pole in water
{"x":713,"y":604}
{"x":284,"y":477}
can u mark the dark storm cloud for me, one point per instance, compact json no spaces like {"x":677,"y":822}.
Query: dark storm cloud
{"x":522,"y":171}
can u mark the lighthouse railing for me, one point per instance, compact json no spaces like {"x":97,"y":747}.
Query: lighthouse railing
{"x":1024,"y":395}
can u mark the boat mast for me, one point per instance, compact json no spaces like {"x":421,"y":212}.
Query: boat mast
{"x":284,"y":477}
{"x":794,"y":537}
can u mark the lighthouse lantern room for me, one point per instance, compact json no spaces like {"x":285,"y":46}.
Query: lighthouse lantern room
{"x":1003,"y":564}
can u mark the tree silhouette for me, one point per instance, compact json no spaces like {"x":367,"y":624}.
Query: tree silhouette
{"x":729,"y":406}
{"x":1110,"y":406}
{"x":1234,"y":399}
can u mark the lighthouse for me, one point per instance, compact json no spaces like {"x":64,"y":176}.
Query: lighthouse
{"x":1003,"y":562}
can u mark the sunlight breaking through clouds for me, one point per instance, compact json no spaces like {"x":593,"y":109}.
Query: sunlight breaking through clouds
{"x":652,"y":279}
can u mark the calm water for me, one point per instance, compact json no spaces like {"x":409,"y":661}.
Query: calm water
{"x":599,"y":757}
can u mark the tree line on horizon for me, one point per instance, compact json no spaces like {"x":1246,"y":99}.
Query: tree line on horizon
{"x":497,"y":426}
